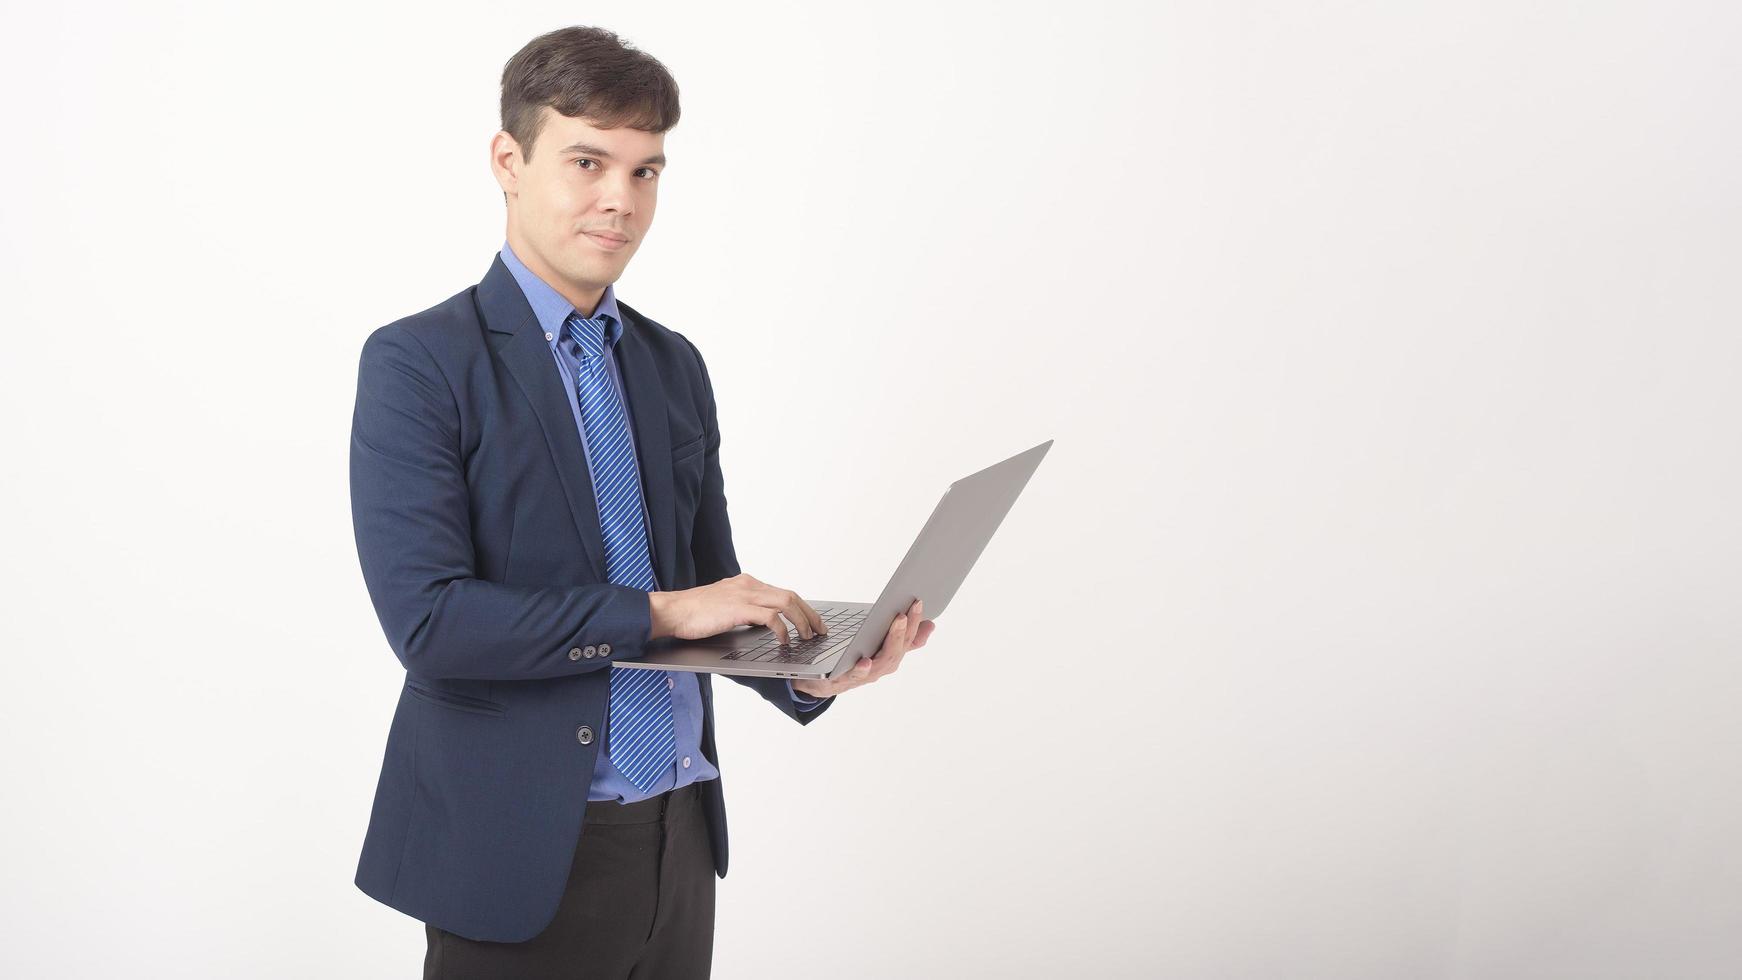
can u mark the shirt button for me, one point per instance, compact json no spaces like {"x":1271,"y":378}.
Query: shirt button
{"x":549,"y":336}
{"x":686,"y":762}
{"x":671,"y":683}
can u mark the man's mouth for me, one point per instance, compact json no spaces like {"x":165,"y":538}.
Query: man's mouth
{"x":609,"y":241}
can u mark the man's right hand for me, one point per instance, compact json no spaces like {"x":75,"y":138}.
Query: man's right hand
{"x":693,"y":614}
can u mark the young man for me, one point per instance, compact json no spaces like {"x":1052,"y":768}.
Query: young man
{"x":536,"y":491}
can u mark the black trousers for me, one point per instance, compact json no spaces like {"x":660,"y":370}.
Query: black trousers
{"x":639,"y":904}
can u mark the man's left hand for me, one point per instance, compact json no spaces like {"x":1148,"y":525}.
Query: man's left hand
{"x":908,"y":632}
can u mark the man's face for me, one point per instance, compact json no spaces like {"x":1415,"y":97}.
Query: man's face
{"x":585,"y":202}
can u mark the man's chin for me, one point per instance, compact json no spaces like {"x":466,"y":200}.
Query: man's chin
{"x":592,"y":275}
{"x":589,"y":267}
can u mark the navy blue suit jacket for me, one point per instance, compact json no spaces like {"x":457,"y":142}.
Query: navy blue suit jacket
{"x":480,"y":545}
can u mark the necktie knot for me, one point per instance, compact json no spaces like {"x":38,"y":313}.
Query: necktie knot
{"x":588,"y":333}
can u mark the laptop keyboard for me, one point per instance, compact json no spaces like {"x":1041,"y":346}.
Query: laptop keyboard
{"x":842,"y":624}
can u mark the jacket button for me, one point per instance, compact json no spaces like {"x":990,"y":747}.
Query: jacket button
{"x":584,"y":735}
{"x":590,"y":651}
{"x":604,"y":649}
{"x":575,"y":654}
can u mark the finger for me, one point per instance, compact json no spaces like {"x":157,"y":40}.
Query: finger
{"x":891,"y":648}
{"x":900,"y":653}
{"x":786,"y":601}
{"x":803,"y":616}
{"x":770,"y":602}
{"x":815,"y":617}
{"x":914,"y":618}
{"x":897,"y":626}
{"x":894,"y":646}
{"x":771,"y":619}
{"x":895,"y":641}
{"x":925,"y":630}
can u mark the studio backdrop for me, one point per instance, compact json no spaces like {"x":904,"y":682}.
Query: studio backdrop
{"x":1374,"y":614}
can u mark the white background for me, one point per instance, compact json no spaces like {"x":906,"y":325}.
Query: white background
{"x":1375,"y":614}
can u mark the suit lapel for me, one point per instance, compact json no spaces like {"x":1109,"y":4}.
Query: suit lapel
{"x":526,"y":355}
{"x":647,"y":405}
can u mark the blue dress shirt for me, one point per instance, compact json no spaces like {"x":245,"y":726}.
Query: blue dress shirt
{"x":552,"y":310}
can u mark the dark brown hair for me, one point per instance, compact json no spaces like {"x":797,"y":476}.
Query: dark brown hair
{"x":590,"y":72}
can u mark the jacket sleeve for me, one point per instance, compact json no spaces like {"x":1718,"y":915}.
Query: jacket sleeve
{"x":410,"y":511}
{"x":716,"y":559}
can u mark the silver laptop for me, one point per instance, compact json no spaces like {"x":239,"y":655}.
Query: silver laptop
{"x":934,"y":567}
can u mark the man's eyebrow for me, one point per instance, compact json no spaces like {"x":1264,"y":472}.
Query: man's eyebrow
{"x":594,"y":151}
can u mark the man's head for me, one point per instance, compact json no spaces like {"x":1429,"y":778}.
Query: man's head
{"x":582,"y":144}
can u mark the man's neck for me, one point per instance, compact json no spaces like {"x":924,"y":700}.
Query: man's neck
{"x":585,"y":302}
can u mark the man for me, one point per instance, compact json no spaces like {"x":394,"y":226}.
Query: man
{"x":537,"y":493}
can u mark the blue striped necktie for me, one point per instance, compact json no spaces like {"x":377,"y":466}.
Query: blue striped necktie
{"x":639,"y":737}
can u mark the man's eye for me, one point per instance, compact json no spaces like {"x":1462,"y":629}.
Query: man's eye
{"x":586,"y":160}
{"x":651,"y":172}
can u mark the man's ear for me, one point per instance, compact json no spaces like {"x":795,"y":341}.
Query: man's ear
{"x":505,"y":161}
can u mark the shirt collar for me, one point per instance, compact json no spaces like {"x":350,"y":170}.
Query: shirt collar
{"x":551,"y":309}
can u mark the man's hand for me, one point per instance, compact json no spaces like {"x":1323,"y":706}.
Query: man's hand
{"x":908,"y":632}
{"x":693,"y":614}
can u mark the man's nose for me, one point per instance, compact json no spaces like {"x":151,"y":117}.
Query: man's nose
{"x":614,"y":195}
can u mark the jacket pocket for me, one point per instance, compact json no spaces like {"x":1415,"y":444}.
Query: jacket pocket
{"x":692,"y":446}
{"x":449,"y":699}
